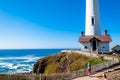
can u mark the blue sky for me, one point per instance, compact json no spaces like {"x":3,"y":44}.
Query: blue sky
{"x":52,"y":23}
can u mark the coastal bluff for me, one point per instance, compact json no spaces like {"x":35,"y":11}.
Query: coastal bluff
{"x":63,"y":62}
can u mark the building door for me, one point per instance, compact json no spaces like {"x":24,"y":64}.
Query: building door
{"x":94,"y":45}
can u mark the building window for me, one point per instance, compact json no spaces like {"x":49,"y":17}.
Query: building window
{"x":85,"y":47}
{"x":93,"y":20}
{"x":115,"y":50}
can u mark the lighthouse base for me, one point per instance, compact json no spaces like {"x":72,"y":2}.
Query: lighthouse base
{"x":95,"y":43}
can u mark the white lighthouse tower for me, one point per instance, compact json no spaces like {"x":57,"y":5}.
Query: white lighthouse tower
{"x":92,"y":18}
{"x":93,"y":40}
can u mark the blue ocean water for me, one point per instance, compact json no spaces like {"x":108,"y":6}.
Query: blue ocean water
{"x":22,"y":60}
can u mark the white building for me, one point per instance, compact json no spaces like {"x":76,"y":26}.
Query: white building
{"x":115,"y":48}
{"x":93,"y":40}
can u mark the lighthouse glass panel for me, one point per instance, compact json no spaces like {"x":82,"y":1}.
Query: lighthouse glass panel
{"x":93,"y":20}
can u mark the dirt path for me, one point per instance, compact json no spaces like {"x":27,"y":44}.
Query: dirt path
{"x":92,"y":77}
{"x":97,"y":76}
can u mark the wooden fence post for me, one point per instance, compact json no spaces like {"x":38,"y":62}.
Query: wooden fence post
{"x":46,"y":77}
{"x":40,"y":76}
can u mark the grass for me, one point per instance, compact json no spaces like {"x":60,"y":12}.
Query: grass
{"x":49,"y":68}
{"x":13,"y":77}
{"x":64,"y":62}
{"x":58,"y":63}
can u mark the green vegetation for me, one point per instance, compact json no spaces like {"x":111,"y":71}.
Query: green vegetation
{"x":32,"y":77}
{"x":58,"y":63}
{"x":49,"y":68}
{"x":113,"y":56}
{"x":64,"y":62}
{"x":13,"y":77}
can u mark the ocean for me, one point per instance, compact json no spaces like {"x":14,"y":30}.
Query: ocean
{"x":22,"y":60}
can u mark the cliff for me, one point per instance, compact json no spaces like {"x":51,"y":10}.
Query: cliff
{"x":63,"y":62}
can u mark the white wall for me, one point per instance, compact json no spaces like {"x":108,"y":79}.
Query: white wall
{"x":103,"y":47}
{"x":87,"y":45}
{"x":92,"y":10}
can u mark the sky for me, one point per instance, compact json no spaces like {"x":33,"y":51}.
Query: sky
{"x":27,"y":24}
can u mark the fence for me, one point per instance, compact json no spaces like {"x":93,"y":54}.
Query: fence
{"x":113,"y":75}
{"x":61,"y":76}
{"x":64,"y":76}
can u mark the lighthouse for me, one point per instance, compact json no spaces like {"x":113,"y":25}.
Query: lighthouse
{"x":92,"y":18}
{"x":93,"y":40}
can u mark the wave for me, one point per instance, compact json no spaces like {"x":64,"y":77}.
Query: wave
{"x":5,"y":64}
{"x":21,"y":57}
{"x":17,"y":64}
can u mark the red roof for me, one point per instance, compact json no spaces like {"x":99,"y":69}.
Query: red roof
{"x":102,"y":38}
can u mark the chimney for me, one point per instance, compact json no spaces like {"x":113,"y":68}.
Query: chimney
{"x":106,"y":32}
{"x":82,"y":33}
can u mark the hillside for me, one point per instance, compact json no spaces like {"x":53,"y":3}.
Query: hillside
{"x":63,"y":62}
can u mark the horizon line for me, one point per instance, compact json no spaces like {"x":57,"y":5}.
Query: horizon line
{"x":33,"y":48}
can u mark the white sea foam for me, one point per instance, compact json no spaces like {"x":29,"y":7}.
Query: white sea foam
{"x":29,"y":57}
{"x":17,"y":64}
{"x":17,"y":67}
{"x":8,"y":65}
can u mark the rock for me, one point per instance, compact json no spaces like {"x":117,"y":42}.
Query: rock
{"x":39,"y":66}
{"x":61,"y":62}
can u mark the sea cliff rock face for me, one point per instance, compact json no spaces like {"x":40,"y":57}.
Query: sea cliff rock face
{"x":62,"y":62}
{"x":39,"y":66}
{"x":51,"y":64}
